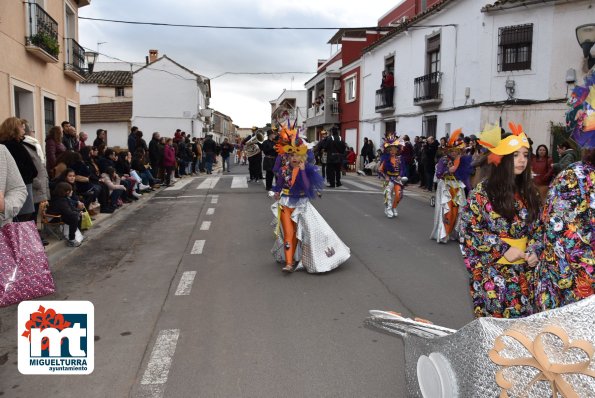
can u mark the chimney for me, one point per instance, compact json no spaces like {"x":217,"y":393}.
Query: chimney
{"x":153,"y":55}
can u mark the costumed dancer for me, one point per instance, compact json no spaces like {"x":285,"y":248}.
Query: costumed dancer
{"x":566,"y":270}
{"x":390,"y":171}
{"x":304,"y":239}
{"x":500,"y":218}
{"x":453,"y":172}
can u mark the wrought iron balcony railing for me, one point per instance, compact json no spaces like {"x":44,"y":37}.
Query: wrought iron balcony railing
{"x":43,"y":30}
{"x":427,"y":89}
{"x":74,"y":57}
{"x":385,"y":99}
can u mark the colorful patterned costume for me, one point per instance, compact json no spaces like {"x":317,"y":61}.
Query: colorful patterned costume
{"x":450,"y":193}
{"x":566,"y":272}
{"x":389,"y":171}
{"x":304,"y":239}
{"x":498,"y":288}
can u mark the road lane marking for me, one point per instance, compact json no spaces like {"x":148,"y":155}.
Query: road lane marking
{"x":205,"y":226}
{"x":214,"y":199}
{"x":208,"y":183}
{"x":239,"y":182}
{"x":185,"y":285}
{"x":210,"y":211}
{"x":365,"y":187}
{"x":161,"y":357}
{"x":198,"y":246}
{"x":179,"y":185}
{"x":179,"y":197}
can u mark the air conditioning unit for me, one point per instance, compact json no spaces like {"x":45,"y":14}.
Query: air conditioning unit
{"x":206,"y":112}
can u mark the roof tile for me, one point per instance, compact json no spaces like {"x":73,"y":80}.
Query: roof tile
{"x":109,"y":78}
{"x":108,"y":112}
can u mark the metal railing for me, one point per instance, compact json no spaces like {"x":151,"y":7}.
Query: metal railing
{"x":334,"y":106}
{"x":75,"y":57}
{"x":43,"y":30}
{"x":385,"y":98}
{"x":427,"y":87}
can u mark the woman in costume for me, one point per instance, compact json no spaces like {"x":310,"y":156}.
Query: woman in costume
{"x":389,"y":170}
{"x":500,"y":217}
{"x":453,"y":172}
{"x":304,"y":239}
{"x":566,"y":271}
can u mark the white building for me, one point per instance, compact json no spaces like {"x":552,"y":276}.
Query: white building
{"x":168,"y":96}
{"x":292,"y":105}
{"x":464,"y":63}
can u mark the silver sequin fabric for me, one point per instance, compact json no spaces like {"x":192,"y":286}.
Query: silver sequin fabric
{"x":466,"y":350}
{"x":319,"y":247}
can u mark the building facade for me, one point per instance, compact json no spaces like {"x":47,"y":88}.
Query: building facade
{"x":43,"y":62}
{"x":469,"y":62}
{"x":167,"y":96}
{"x":290,"y":105}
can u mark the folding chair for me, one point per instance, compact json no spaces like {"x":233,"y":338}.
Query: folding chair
{"x":51,"y":223}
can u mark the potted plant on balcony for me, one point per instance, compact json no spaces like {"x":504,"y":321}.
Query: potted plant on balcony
{"x":47,"y":42}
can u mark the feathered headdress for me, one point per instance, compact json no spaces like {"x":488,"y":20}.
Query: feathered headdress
{"x":290,"y":142}
{"x":391,"y":139}
{"x":580,"y":119}
{"x":491,"y":138}
{"x":454,"y":142}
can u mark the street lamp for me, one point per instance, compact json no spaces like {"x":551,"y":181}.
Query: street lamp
{"x":585,"y":34}
{"x":90,"y":57}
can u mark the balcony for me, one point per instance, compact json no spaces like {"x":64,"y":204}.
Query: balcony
{"x":427,"y":89}
{"x":42,"y":41}
{"x":328,"y":113}
{"x":74,"y":65}
{"x":385,"y":99}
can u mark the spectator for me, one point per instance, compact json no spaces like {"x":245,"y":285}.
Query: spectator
{"x":90,"y":155}
{"x":567,"y":156}
{"x":83,"y":137}
{"x":407,"y":156}
{"x":101,"y":139}
{"x":429,"y":159}
{"x":364,"y":153}
{"x":69,"y":176}
{"x":132,"y":139}
{"x":65,"y":161}
{"x":140,"y":142}
{"x":13,"y":192}
{"x":107,"y":160}
{"x":69,"y":136}
{"x":53,"y":149}
{"x":12,"y":133}
{"x":226,"y":150}
{"x":114,"y":186}
{"x":543,"y":170}
{"x":371,"y":151}
{"x":388,"y":86}
{"x":138,"y":164}
{"x":155,"y":154}
{"x":60,"y":204}
{"x":169,"y":161}
{"x":88,"y":190}
{"x":209,"y":147}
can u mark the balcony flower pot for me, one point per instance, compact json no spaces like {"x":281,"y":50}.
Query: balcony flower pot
{"x":47,"y":42}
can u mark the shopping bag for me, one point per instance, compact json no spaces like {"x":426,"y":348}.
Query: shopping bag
{"x":86,"y":221}
{"x":24,"y":269}
{"x":78,"y":236}
{"x":94,"y":208}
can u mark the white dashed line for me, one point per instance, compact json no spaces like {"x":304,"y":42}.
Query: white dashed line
{"x":161,"y":357}
{"x":239,"y":182}
{"x":179,"y":185}
{"x":185,"y":285}
{"x":210,"y":211}
{"x":198,"y":246}
{"x":208,"y":183}
{"x":214,"y":201}
{"x":205,"y":226}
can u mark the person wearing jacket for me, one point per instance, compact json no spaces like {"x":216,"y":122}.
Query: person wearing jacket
{"x":13,"y":192}
{"x":169,"y":160}
{"x":543,"y":170}
{"x":12,"y":133}
{"x":155,"y":154}
{"x":60,"y":204}
{"x":53,"y":148}
{"x":115,"y":188}
{"x":567,"y":157}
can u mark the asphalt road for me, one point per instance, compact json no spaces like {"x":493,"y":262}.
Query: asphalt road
{"x":189,"y":303}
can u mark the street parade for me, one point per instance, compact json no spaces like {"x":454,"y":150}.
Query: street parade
{"x":213,"y":209}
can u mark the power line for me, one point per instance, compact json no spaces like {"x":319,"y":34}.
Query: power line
{"x":222,"y":27}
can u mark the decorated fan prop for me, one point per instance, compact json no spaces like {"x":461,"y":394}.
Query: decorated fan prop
{"x":549,"y":354}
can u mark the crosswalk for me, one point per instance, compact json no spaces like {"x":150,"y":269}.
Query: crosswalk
{"x":241,"y":182}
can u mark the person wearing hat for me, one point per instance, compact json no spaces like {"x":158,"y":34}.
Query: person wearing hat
{"x":500,"y":219}
{"x":453,"y":172}
{"x":270,"y":156}
{"x":566,"y":271}
{"x":389,"y":170}
{"x":304,"y":240}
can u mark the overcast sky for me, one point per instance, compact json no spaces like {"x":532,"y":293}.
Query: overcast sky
{"x":211,"y":52}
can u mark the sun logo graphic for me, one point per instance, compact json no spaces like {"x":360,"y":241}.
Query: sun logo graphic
{"x":56,"y":337}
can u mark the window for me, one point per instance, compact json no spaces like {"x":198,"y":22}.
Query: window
{"x":49,"y":116}
{"x":514,"y":47}
{"x":433,"y":54}
{"x":72,"y":115}
{"x":350,"y":89}
{"x":119,"y":91}
{"x":23,"y":104}
{"x":390,"y":126}
{"x":429,"y":124}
